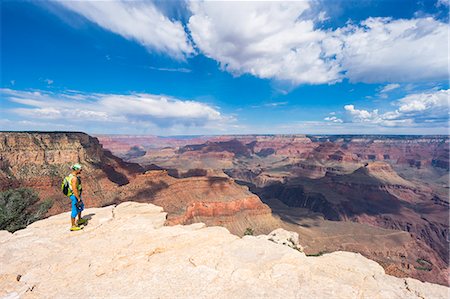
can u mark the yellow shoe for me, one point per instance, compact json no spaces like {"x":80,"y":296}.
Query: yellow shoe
{"x":75,"y":228}
{"x":81,"y":221}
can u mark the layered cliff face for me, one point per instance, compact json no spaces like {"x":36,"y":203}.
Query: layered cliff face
{"x":326,"y":151}
{"x":377,"y":195}
{"x":125,"y":251}
{"x":40,"y":161}
{"x":214,"y":200}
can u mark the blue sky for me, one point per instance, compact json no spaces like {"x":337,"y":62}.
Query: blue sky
{"x":172,"y":68}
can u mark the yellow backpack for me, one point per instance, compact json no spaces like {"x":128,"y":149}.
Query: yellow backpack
{"x":66,"y":185}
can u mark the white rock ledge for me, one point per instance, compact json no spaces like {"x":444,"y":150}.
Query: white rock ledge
{"x":125,"y":251}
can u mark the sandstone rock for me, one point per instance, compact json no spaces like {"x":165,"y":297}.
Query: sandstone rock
{"x":214,"y":200}
{"x":283,"y":237}
{"x":125,"y":251}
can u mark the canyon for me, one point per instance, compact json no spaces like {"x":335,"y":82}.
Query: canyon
{"x":351,"y":183}
{"x":368,"y":196}
{"x":40,"y":160}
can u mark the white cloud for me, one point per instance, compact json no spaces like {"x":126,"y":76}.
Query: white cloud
{"x":271,"y":104}
{"x":427,"y":106}
{"x":421,"y":109}
{"x":333,"y":119}
{"x":275,"y":104}
{"x":48,"y":81}
{"x":165,"y":69}
{"x":323,"y":127}
{"x":322,"y":16}
{"x":112,"y":109}
{"x":389,"y":87}
{"x":265,"y":39}
{"x":282,"y":40}
{"x":279,"y":40}
{"x":386,"y":50}
{"x":362,"y":115}
{"x":138,"y":21}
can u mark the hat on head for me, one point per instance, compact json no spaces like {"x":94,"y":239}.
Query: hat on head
{"x":76,"y":166}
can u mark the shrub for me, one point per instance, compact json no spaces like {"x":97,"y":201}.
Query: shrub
{"x":248,"y":232}
{"x":425,"y":265}
{"x":320,"y":253}
{"x":18,"y":208}
{"x":424,"y":262}
{"x":423,"y":268}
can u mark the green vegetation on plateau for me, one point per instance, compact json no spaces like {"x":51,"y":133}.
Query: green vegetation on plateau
{"x":19,"y":207}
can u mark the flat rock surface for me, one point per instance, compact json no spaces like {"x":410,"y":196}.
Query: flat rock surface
{"x":126,"y":251}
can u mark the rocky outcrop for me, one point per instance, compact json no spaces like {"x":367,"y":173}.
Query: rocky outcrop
{"x":214,"y":200}
{"x":283,"y":237}
{"x":39,"y":160}
{"x":125,"y":251}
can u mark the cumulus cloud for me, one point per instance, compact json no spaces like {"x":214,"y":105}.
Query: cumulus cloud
{"x":425,"y":107}
{"x":266,"y":39}
{"x":138,"y":21}
{"x":363,"y":115}
{"x":280,"y":40}
{"x":111,"y":109}
{"x":385,"y":50}
{"x":422,"y":109}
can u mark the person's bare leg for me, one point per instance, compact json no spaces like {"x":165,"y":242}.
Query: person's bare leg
{"x":79,"y":216}
{"x":73,"y":221}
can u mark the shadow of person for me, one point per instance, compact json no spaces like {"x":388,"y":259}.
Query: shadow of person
{"x":88,"y":217}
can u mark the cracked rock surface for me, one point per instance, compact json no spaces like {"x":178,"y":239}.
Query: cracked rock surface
{"x":126,"y":251}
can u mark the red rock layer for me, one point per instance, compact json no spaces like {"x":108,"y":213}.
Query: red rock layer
{"x":41,"y":160}
{"x":250,"y":204}
{"x":187,"y":199}
{"x":414,"y":151}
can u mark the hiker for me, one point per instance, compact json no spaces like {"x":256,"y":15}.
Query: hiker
{"x":74,"y":194}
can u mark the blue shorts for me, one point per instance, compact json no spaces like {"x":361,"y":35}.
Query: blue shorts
{"x":76,"y":210}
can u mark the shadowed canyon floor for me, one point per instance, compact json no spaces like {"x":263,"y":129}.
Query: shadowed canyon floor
{"x":126,"y":251}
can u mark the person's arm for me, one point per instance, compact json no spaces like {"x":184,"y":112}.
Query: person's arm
{"x":74,"y":188}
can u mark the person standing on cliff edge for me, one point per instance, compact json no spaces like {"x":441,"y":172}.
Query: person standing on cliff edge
{"x":75,"y":191}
